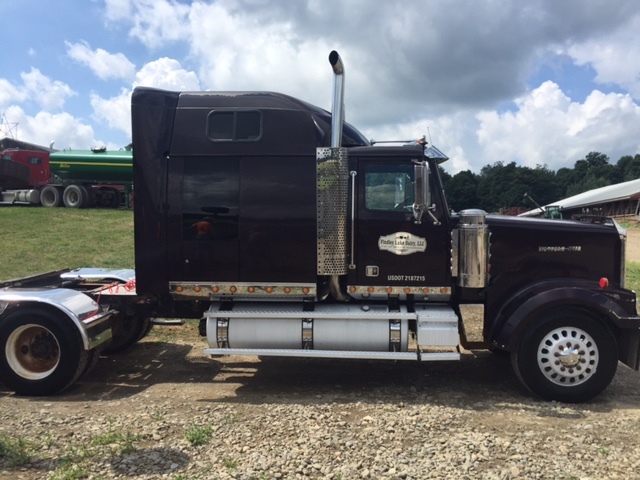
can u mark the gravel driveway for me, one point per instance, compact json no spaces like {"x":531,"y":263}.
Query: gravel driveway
{"x":163,"y":410}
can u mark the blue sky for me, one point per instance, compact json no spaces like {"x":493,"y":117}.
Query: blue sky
{"x":541,"y":82}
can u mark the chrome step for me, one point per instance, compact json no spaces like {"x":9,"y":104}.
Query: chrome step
{"x":344,"y":354}
{"x":437,"y":326}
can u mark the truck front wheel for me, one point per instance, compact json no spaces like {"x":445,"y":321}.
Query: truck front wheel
{"x":40,"y":353}
{"x":567,"y":356}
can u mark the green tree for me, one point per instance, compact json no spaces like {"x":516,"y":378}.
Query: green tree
{"x":628,"y":168}
{"x":594,"y":171}
{"x":462,"y":191}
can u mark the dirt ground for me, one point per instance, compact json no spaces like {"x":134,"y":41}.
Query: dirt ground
{"x":633,"y":244}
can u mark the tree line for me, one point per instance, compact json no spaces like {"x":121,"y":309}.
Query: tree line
{"x":502,"y":187}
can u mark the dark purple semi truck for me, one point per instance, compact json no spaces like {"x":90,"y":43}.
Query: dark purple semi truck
{"x":288,"y":233}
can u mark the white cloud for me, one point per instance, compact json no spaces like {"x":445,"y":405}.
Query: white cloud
{"x":48,"y":94}
{"x":168,"y":74}
{"x":449,"y":133}
{"x":104,"y":64}
{"x":117,"y":10}
{"x":155,"y":22}
{"x":115,"y":112}
{"x":548,"y":128}
{"x":163,"y":73}
{"x":9,"y":93}
{"x":43,"y":128}
{"x":615,"y":57}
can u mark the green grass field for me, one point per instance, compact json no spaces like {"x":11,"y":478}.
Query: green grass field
{"x":35,"y":240}
{"x":633,"y":276}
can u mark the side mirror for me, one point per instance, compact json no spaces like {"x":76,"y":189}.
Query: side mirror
{"x":422,"y":193}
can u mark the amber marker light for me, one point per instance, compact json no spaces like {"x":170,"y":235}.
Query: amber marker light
{"x":389,"y":289}
{"x":215,"y":289}
{"x":370,"y":289}
{"x":233,"y":289}
{"x":251,"y":289}
{"x":604,"y":282}
{"x":287,"y":289}
{"x":197,"y":289}
{"x":178,"y":289}
{"x":305,"y":290}
{"x":352,"y":289}
{"x":269,"y":289}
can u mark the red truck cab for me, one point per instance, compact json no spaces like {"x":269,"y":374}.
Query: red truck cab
{"x":24,"y":169}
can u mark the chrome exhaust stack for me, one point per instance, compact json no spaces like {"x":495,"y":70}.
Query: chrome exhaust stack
{"x":332,"y":176}
{"x":337,"y":110}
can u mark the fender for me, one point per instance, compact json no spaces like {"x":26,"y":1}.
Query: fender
{"x":90,"y":319}
{"x":616,"y":304}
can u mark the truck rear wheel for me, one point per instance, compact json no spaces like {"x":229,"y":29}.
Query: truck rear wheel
{"x":51,"y":196}
{"x":40,"y":353}
{"x":109,"y":197}
{"x":568,"y":356}
{"x":75,"y":196}
{"x":126,"y":331}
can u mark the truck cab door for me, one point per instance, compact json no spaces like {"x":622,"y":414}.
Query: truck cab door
{"x":393,"y":249}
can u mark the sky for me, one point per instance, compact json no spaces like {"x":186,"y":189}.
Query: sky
{"x":541,"y":82}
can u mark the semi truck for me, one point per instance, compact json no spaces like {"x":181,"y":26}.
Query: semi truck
{"x":288,"y":233}
{"x":70,"y":178}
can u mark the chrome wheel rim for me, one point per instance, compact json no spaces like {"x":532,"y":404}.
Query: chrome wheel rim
{"x":568,"y":356}
{"x":32,"y":352}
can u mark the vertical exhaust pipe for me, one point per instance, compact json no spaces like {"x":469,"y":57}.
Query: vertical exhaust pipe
{"x":332,"y":230}
{"x":337,"y":114}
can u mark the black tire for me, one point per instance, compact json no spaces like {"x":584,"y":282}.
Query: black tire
{"x":110,"y":197}
{"x":93,"y":356}
{"x":74,"y":196}
{"x":87,"y":196}
{"x":146,"y":328}
{"x":51,"y":196}
{"x":125,"y":332}
{"x":567,"y":356}
{"x":41,"y":353}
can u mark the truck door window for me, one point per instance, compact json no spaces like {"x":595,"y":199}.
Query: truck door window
{"x":234,"y":126}
{"x":389,"y":187}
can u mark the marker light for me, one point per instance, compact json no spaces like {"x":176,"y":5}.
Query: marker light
{"x":604,"y":282}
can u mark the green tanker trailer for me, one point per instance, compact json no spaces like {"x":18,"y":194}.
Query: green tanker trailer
{"x":83,"y":178}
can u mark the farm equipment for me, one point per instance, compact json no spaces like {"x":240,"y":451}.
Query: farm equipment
{"x":70,"y":178}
